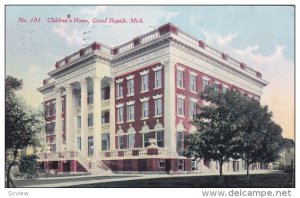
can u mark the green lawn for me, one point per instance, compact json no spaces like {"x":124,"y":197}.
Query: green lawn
{"x":277,"y":180}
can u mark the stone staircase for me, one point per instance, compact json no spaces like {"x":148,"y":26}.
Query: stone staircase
{"x":95,"y":166}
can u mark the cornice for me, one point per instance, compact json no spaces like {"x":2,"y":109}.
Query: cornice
{"x":215,"y":62}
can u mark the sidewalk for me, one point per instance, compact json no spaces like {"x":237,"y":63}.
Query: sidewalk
{"x":92,"y":179}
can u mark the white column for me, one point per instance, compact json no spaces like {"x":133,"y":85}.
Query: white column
{"x":97,"y":117}
{"x":169,"y":108}
{"x":70,"y":133}
{"x":84,"y":118}
{"x":112,"y":120}
{"x":59,"y":140}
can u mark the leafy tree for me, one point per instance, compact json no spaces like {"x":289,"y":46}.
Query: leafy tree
{"x":28,"y":167}
{"x":217,"y":126}
{"x":259,"y":137}
{"x":21,"y":126}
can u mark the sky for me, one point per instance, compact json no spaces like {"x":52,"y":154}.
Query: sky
{"x":260,"y":36}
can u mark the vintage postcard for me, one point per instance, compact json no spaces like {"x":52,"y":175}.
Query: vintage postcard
{"x":174,"y":96}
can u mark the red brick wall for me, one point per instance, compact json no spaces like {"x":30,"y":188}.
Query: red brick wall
{"x":188,"y":94}
{"x":138,"y":123}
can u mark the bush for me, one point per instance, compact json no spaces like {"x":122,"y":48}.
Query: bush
{"x":29,"y":167}
{"x":289,"y":169}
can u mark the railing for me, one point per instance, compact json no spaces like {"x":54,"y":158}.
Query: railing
{"x":105,"y":50}
{"x":125,"y":47}
{"x":105,"y":104}
{"x":82,"y":160}
{"x":149,"y":37}
{"x":187,"y":37}
{"x":134,"y":152}
{"x":105,"y":126}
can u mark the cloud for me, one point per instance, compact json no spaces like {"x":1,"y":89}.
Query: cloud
{"x":170,"y":15}
{"x":217,"y":39}
{"x":93,"y":11}
{"x":260,"y":59}
{"x":276,"y":69}
{"x":70,"y":34}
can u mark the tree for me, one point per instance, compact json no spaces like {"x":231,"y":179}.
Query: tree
{"x":28,"y":167}
{"x":21,"y":126}
{"x":217,"y":125}
{"x":258,"y":136}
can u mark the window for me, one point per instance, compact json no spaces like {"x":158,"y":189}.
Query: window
{"x":47,"y":110}
{"x":194,"y":164}
{"x":90,"y":146}
{"x":90,"y":120}
{"x":53,"y":147}
{"x":193,"y":109}
{"x":53,"y":108}
{"x":90,"y":98}
{"x":158,"y":107}
{"x":193,"y":82}
{"x":204,"y":83}
{"x":53,"y":127}
{"x":179,"y":140}
{"x":121,"y":142}
{"x":130,"y":140}
{"x":161,"y":163}
{"x":160,"y":138}
{"x":130,"y":113}
{"x":120,"y":114}
{"x":130,"y":87}
{"x":180,"y":164}
{"x":105,"y":117}
{"x":145,"y":83}
{"x":179,"y":78}
{"x":78,"y":122}
{"x":145,"y":109}
{"x":79,"y":143}
{"x":157,"y":79}
{"x":146,"y":139}
{"x":105,"y":142}
{"x":180,"y":106}
{"x":48,"y":128}
{"x":119,"y":90}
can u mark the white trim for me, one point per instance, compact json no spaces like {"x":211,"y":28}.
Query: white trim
{"x":119,"y":105}
{"x":194,"y":99}
{"x":130,"y":102}
{"x":225,"y":86}
{"x":144,"y":99}
{"x":145,"y":118}
{"x":157,"y":96}
{"x":193,"y":73}
{"x":120,"y":80}
{"x":181,"y":96}
{"x":206,"y":78}
{"x":145,"y":128}
{"x":130,"y":77}
{"x":159,"y":67}
{"x":217,"y":82}
{"x":205,"y":103}
{"x":158,"y":126}
{"x":144,"y":72}
{"x":131,"y":130}
{"x":180,"y":68}
{"x":180,"y":126}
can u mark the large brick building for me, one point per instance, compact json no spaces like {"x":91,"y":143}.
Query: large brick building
{"x":128,"y":108}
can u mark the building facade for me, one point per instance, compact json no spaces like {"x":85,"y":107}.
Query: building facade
{"x":128,"y":108}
